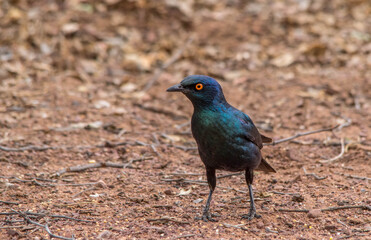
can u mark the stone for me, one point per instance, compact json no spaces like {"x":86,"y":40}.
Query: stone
{"x":314,"y":213}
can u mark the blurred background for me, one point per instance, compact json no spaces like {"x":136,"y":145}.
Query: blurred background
{"x":79,"y":75}
{"x":125,"y":41}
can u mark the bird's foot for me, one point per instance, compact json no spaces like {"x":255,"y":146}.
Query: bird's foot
{"x":206,"y":216}
{"x":252,"y":214}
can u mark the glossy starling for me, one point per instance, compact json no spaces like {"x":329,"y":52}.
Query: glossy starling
{"x":227,"y":138}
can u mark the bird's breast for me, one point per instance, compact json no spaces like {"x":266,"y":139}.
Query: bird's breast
{"x":214,"y":127}
{"x":221,"y":142}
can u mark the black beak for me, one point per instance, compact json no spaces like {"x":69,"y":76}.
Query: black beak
{"x":175,"y":88}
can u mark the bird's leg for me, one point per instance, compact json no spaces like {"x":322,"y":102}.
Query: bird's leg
{"x":252,"y":212}
{"x":211,"y":179}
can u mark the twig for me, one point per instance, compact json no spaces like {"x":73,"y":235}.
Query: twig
{"x":155,"y":139}
{"x":6,"y":213}
{"x":26,"y":148}
{"x":229,"y":175}
{"x":183,"y":125}
{"x":313,"y":174}
{"x":34,"y":180}
{"x":45,"y":180}
{"x":84,"y":167}
{"x":155,"y":150}
{"x":162,"y":206}
{"x":177,"y":54}
{"x":185,"y":236}
{"x":267,"y":229}
{"x":166,"y":219}
{"x":339,"y":221}
{"x":239,"y":226}
{"x":355,"y":176}
{"x":347,"y":123}
{"x":128,"y":165}
{"x":352,"y":235}
{"x":338,"y":156}
{"x":30,"y":181}
{"x":19,"y":226}
{"x":53,"y":235}
{"x":111,"y":144}
{"x":293,"y":210}
{"x":7,"y":221}
{"x":141,"y":143}
{"x":46,"y":227}
{"x":85,"y":190}
{"x":364,"y":207}
{"x":184,"y":148}
{"x":71,"y":218}
{"x":9,"y":203}
{"x":19,"y":163}
{"x":46,"y":215}
{"x":282,"y":193}
{"x":76,"y":184}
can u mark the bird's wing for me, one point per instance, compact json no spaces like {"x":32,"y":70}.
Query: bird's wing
{"x":253,"y":135}
{"x":250,"y":131}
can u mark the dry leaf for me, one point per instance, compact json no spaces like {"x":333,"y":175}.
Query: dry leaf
{"x":128,"y":87}
{"x":283,"y":60}
{"x":183,"y":192}
{"x":70,"y":28}
{"x":14,"y":14}
{"x":101,"y":104}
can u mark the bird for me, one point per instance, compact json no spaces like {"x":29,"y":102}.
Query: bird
{"x":227,"y":138}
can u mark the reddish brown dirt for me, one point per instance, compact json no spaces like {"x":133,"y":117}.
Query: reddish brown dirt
{"x":72,"y":76}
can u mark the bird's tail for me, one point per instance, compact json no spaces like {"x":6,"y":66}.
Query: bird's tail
{"x":265,"y":167}
{"x":265,"y":139}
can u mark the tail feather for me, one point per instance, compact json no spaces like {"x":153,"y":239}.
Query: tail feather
{"x":265,"y":167}
{"x":265,"y":139}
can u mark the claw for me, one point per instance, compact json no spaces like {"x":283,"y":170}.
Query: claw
{"x":252,"y":214}
{"x":206,"y":217}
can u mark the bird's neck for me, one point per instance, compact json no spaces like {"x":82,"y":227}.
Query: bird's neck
{"x":213,"y":106}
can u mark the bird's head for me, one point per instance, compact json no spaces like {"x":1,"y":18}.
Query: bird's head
{"x":201,"y":90}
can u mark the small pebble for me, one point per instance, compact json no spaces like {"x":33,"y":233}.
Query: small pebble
{"x":298,"y":198}
{"x":168,"y":192}
{"x":198,"y":200}
{"x":105,"y":234}
{"x":260,"y":225}
{"x":314,"y":213}
{"x":330,"y":227}
{"x":101,"y":184}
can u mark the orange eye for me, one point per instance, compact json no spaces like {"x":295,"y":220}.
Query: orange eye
{"x":199,"y":86}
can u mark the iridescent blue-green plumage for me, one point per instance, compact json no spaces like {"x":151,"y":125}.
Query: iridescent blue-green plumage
{"x":227,"y":138}
{"x":224,"y":139}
